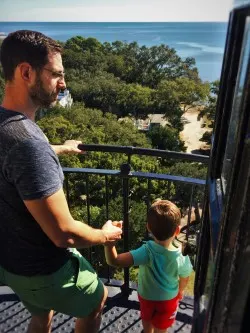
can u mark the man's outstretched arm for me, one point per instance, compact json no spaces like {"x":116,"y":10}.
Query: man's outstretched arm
{"x":69,"y":147}
{"x":53,"y":216}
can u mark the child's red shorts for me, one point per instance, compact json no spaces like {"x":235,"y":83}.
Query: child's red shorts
{"x":160,"y":313}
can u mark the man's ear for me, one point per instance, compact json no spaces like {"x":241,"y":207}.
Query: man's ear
{"x":25,"y":71}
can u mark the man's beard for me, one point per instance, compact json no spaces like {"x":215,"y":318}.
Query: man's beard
{"x":40,"y":97}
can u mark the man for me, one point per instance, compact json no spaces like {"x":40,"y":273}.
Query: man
{"x":36,"y":227}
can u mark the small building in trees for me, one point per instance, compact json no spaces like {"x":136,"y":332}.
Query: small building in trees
{"x":153,"y":120}
{"x":65,"y":99}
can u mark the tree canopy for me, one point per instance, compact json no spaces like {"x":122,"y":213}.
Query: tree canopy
{"x":208,"y":112}
{"x":125,"y":78}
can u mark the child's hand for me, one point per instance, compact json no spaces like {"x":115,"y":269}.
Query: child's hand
{"x":112,"y":225}
{"x":118,"y":224}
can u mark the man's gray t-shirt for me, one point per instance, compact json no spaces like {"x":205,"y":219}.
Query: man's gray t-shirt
{"x":29,"y":169}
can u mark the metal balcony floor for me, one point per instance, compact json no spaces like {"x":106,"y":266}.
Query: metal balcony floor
{"x":120,"y":315}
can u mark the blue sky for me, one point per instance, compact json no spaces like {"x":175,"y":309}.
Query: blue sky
{"x":115,"y":10}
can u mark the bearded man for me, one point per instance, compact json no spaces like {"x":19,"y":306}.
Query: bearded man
{"x":36,"y":227}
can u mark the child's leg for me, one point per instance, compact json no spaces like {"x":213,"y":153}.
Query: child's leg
{"x":147,"y":308}
{"x":164,"y":315}
{"x":147,"y":326}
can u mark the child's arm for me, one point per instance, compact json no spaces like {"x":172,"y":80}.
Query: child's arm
{"x":117,"y":260}
{"x":183,"y":281}
{"x":112,"y":258}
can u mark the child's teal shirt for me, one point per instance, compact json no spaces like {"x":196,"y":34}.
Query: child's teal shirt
{"x":159,"y":271}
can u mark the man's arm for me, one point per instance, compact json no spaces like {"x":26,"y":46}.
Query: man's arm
{"x":69,"y":147}
{"x":53,"y":216}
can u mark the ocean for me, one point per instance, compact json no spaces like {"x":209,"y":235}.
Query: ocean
{"x":205,"y":41}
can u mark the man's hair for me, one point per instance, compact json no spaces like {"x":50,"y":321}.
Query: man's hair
{"x":163,"y":219}
{"x":26,"y":46}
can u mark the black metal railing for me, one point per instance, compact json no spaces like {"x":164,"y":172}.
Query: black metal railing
{"x":125,"y":175}
{"x":129,"y":151}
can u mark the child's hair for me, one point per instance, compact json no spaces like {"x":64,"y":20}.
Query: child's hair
{"x":163,"y":218}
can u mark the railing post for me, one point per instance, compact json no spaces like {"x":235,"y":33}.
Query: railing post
{"x":107,"y":214}
{"x":190,"y":212}
{"x":88,"y":214}
{"x":124,"y":172}
{"x":148,"y":205}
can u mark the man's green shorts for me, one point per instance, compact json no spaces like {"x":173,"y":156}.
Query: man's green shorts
{"x":74,"y":289}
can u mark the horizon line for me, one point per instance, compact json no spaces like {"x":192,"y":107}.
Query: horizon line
{"x":113,"y":21}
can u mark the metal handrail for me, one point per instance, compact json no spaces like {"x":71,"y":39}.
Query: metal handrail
{"x":130,"y":150}
{"x":137,"y":174}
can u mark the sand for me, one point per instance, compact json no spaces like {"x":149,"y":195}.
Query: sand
{"x":192,"y":130}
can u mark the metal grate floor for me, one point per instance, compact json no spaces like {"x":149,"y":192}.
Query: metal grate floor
{"x":120,"y":315}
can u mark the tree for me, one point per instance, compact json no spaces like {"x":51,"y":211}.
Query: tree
{"x":174,"y":97}
{"x":149,"y":66}
{"x":135,"y":99}
{"x":115,"y":64}
{"x":208,"y":112}
{"x":74,"y":60}
{"x":97,"y":91}
{"x":166,"y":138}
{"x":81,"y":44}
{"x":166,"y":102}
{"x":161,"y":62}
{"x":184,"y":92}
{"x":190,"y":93}
{"x":58,"y":129}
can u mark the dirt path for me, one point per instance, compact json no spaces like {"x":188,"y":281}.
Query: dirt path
{"x":192,"y":130}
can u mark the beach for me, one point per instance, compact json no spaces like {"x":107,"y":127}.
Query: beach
{"x":193,"y":130}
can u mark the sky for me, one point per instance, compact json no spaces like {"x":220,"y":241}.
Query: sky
{"x":115,"y":10}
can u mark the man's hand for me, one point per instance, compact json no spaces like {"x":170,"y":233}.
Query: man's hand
{"x":112,"y":231}
{"x":69,"y":147}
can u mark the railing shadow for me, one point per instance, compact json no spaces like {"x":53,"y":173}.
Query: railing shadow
{"x":120,"y":314}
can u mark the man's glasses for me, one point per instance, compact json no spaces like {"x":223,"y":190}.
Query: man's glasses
{"x":55,"y":74}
